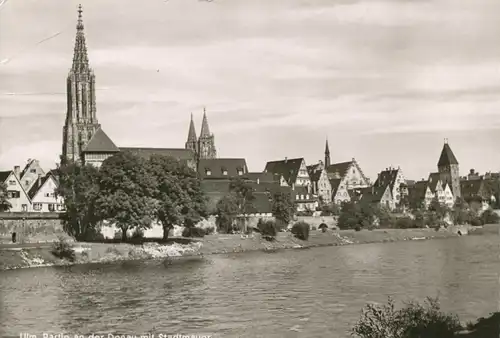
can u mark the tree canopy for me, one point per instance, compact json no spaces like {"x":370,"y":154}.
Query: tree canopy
{"x":4,"y":201}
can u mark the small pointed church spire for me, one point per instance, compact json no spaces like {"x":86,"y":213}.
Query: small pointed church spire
{"x":327,"y":154}
{"x":192,"y":131}
{"x":80,"y":57}
{"x":205,"y":130}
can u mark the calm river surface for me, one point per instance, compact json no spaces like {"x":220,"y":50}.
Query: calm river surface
{"x":303,"y":293}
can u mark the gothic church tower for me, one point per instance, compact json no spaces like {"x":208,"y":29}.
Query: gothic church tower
{"x":192,"y":139}
{"x":203,"y":146}
{"x":449,"y":170}
{"x":81,"y":119}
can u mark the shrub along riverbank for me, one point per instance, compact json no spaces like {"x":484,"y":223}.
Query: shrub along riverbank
{"x":416,"y":320}
{"x":82,"y":253}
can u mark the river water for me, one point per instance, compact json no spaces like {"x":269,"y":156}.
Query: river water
{"x":296,"y":293}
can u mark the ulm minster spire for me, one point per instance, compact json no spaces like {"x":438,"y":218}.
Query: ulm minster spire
{"x":81,"y":119}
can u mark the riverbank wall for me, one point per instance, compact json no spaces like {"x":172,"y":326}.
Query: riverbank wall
{"x":40,"y":254}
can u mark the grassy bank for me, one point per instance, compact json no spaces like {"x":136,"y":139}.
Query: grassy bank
{"x":35,"y":256}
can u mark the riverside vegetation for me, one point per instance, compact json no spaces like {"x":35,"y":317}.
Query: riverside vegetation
{"x":416,"y":320}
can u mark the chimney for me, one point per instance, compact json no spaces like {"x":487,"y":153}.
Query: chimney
{"x":39,"y":179}
{"x":17,"y":171}
{"x":286,"y":159}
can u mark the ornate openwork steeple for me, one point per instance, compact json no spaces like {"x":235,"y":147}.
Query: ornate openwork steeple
{"x":80,"y":57}
{"x":205,"y":130}
{"x":81,"y":119}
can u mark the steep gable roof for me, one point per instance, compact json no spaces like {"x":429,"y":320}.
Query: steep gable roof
{"x":100,"y":143}
{"x":474,"y":188}
{"x":339,"y":169}
{"x":374,"y":194}
{"x":39,"y":183}
{"x":447,"y":157}
{"x":315,"y":172}
{"x":217,"y":167}
{"x":178,"y":153}
{"x":288,"y":168}
{"x":4,"y":175}
{"x":335,"y":183}
{"x":434,"y":180}
{"x":387,"y":178}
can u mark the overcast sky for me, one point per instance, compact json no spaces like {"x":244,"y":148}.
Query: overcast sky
{"x":385,"y":81}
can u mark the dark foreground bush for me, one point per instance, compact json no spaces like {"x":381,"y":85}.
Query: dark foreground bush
{"x":412,"y":321}
{"x":193,"y":232}
{"x":267,"y":228}
{"x":405,"y":223}
{"x":490,"y":217}
{"x":63,"y":250}
{"x":301,"y":230}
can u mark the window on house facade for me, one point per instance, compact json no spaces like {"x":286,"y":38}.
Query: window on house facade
{"x":13,"y":194}
{"x":47,"y":194}
{"x":240,"y":172}
{"x":37,"y":206}
{"x":307,"y":197}
{"x":12,"y":182}
{"x":301,"y":197}
{"x":224,"y":172}
{"x":208,"y":172}
{"x":297,"y":197}
{"x":33,"y":171}
{"x":52,"y":207}
{"x":27,"y":182}
{"x":24,"y":207}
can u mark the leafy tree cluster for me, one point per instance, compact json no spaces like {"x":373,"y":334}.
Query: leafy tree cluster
{"x":356,"y":215}
{"x":301,"y":230}
{"x":132,"y":193}
{"x":330,"y":209}
{"x":4,"y":202}
{"x":239,"y":202}
{"x":267,"y":228}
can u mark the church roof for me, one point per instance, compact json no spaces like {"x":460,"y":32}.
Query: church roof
{"x":447,"y":157}
{"x":100,"y":143}
{"x":178,"y":153}
{"x":339,"y":168}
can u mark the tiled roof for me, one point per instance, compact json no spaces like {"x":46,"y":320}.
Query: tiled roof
{"x":339,"y":168}
{"x":218,"y":166}
{"x":473,"y":188}
{"x":387,"y":177}
{"x":213,"y":186}
{"x":4,"y":175}
{"x":373,"y":194}
{"x":416,"y":193}
{"x":434,"y":180}
{"x":409,"y":183}
{"x":335,"y":183}
{"x":38,"y":183}
{"x":100,"y":143}
{"x":178,"y":153}
{"x":314,"y":171}
{"x":447,"y":157}
{"x":288,"y":168}
{"x":261,"y":176}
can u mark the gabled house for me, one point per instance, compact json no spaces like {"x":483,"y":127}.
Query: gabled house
{"x":476,"y":192}
{"x":420,"y":195}
{"x":99,"y":148}
{"x":222,"y":168}
{"x":319,"y":181}
{"x":395,"y":180}
{"x":292,"y":172}
{"x":29,"y":174}
{"x":304,"y":200}
{"x":380,"y":196}
{"x":16,"y":195}
{"x":340,"y":193}
{"x":349,"y":173}
{"x":43,"y":194}
{"x":440,"y":189}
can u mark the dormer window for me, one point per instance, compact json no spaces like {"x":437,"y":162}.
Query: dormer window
{"x":224,"y":172}
{"x":307,"y":197}
{"x":301,"y":197}
{"x":208,"y":172}
{"x":240,"y":171}
{"x":297,"y":197}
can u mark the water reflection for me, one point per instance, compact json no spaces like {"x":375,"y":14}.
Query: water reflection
{"x":311,"y":293}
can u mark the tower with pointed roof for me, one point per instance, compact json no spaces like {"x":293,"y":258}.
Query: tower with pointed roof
{"x":206,"y":141}
{"x":449,"y":170}
{"x":327,"y":155}
{"x":81,"y":119}
{"x":192,"y":139}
